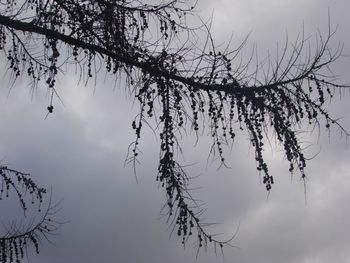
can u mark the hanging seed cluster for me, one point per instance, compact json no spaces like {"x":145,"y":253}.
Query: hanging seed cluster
{"x":179,"y":85}
{"x":121,"y":27}
{"x":22,"y":185}
{"x":15,"y":243}
{"x":240,"y":108}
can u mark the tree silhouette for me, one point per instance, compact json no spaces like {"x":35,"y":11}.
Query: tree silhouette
{"x":18,"y":236}
{"x":180,"y":84}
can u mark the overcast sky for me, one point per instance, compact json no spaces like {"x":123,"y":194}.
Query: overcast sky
{"x":81,"y":148}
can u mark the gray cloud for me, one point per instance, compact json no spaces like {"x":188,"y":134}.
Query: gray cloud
{"x":80,"y":151}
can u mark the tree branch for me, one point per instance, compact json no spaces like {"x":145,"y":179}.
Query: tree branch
{"x":229,"y":88}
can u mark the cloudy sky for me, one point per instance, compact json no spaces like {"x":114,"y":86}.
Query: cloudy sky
{"x":81,"y":148}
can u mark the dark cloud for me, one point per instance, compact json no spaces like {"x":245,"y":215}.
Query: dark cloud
{"x":81,"y":148}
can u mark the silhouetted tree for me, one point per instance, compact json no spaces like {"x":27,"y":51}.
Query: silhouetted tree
{"x":18,"y":236}
{"x":180,"y":84}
